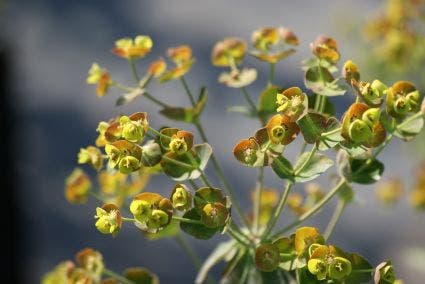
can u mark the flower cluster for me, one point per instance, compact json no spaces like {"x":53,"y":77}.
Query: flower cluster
{"x":90,"y":268}
{"x":124,"y":160}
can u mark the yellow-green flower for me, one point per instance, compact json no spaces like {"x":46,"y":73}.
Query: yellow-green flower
{"x":292,"y":102}
{"x":158,"y":219}
{"x":133,"y":131}
{"x":108,"y":219}
{"x":91,"y":261}
{"x":92,"y":156}
{"x":77,"y":187}
{"x":141,"y":210}
{"x":181,"y":197}
{"x":133,"y":48}
{"x":100,"y":76}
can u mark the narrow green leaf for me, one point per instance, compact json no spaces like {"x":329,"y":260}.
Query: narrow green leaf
{"x":283,"y":168}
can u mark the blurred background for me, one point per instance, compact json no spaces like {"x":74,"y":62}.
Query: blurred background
{"x":48,"y":112}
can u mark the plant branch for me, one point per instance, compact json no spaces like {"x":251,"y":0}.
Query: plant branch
{"x":339,"y":209}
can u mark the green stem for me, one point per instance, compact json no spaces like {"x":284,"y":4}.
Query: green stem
{"x":278,"y":210}
{"x":122,"y":87}
{"x":340,"y":206}
{"x":155,"y":100}
{"x":97,"y":196}
{"x":313,"y":210}
{"x":271,"y":74}
{"x":117,"y":276}
{"x":187,"y":166}
{"x":239,"y":237}
{"x":193,"y":184}
{"x":257,"y":200}
{"x":310,"y":156}
{"x":186,"y":220}
{"x":128,"y":219}
{"x":221,"y":176}
{"x":249,"y":100}
{"x":134,"y":71}
{"x":189,"y":93}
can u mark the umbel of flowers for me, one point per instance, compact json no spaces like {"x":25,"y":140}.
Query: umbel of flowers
{"x":129,"y":150}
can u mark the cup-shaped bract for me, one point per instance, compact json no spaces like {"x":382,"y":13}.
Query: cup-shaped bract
{"x":139,"y":275}
{"x":211,"y":205}
{"x":92,"y":156}
{"x":124,"y":155}
{"x":325,"y":48}
{"x":183,"y":60}
{"x":402,"y":99}
{"x":228,"y":52}
{"x":175,"y":140}
{"x":109,"y":220}
{"x":91,"y":261}
{"x":306,"y":236}
{"x":293,"y":103}
{"x":267,"y":257}
{"x":131,"y":128}
{"x":157,"y":68}
{"x":77,"y":187}
{"x":288,"y":36}
{"x":238,"y":78}
{"x":157,"y":211}
{"x":132,"y":49}
{"x":339,"y":268}
{"x":281,"y":129}
{"x":60,"y":274}
{"x":361,"y":125}
{"x":265,"y":37}
{"x":99,"y":76}
{"x":181,"y":197}
{"x":246,"y":151}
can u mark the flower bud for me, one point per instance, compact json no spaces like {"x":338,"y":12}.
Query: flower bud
{"x":278,"y":133}
{"x":267,"y":257}
{"x":371,"y":116}
{"x":214,"y":215}
{"x":339,"y":268}
{"x":108,"y":219}
{"x":178,"y":146}
{"x":128,"y":164}
{"x":180,"y":54}
{"x":141,"y":210}
{"x":359,"y":131}
{"x":181,"y":198}
{"x":350,"y":72}
{"x":101,"y":77}
{"x":379,"y":89}
{"x":413,"y":100}
{"x":158,"y":219}
{"x":92,"y":156}
{"x":401,"y":106}
{"x":317,"y":267}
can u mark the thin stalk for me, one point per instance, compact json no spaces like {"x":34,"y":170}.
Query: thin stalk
{"x":122,"y":87}
{"x":193,"y":184}
{"x":186,"y":220}
{"x":214,"y":160}
{"x":155,"y":100}
{"x":278,"y":210}
{"x":339,"y":208}
{"x":221,"y":176}
{"x":134,"y":71}
{"x":313,"y":210}
{"x":117,"y":276}
{"x":249,"y":100}
{"x":237,"y":236}
{"x":97,"y":196}
{"x":271,"y":74}
{"x":257,"y":199}
{"x":302,"y":149}
{"x":189,"y":93}
{"x":310,"y":156}
{"x":125,"y":219}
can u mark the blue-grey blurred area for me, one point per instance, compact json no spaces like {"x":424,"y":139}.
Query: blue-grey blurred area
{"x":52,"y":43}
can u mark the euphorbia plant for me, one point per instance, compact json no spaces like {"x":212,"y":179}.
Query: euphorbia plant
{"x":129,"y":150}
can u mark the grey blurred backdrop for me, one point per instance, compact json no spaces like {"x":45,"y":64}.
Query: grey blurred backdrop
{"x":52,"y":43}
